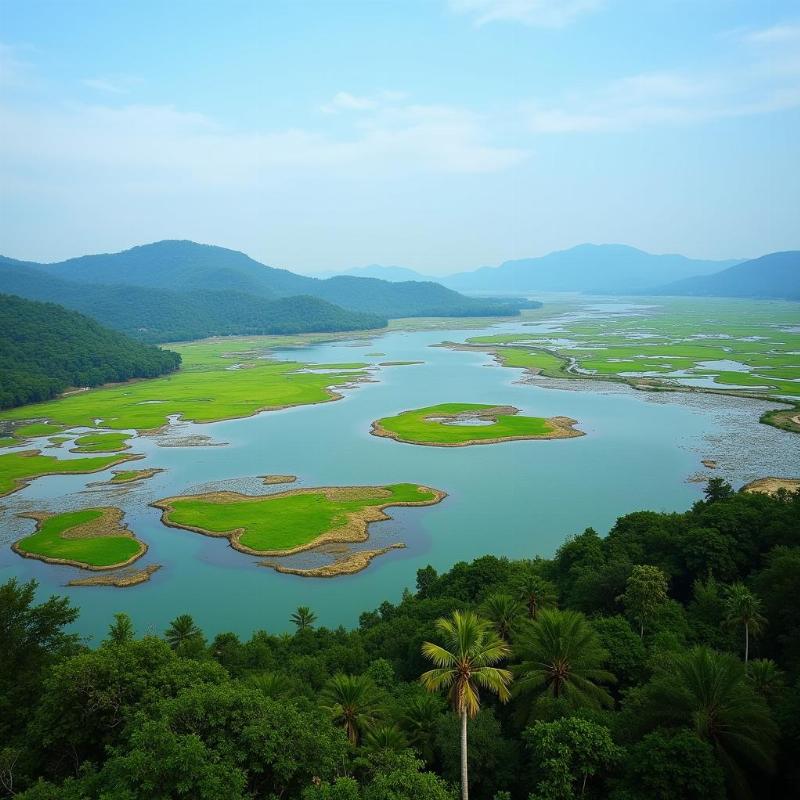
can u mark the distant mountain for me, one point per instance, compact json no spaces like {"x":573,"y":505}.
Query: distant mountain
{"x":772,"y":275}
{"x":604,"y":268}
{"x":184,"y":265}
{"x":164,"y":315}
{"x":44,"y":349}
{"x":392,"y":274}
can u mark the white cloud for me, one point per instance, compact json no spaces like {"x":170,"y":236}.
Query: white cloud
{"x":785,"y":32}
{"x":104,"y":85}
{"x":163,"y":143}
{"x":344,"y":101}
{"x":765,"y":80}
{"x":536,"y":13}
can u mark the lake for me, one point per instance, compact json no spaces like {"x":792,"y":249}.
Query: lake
{"x":518,"y":499}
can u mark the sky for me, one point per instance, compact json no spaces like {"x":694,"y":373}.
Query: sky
{"x":436,"y":134}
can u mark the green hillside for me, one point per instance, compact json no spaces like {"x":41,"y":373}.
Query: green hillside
{"x":44,"y":349}
{"x":154,"y":314}
{"x":184,"y":266}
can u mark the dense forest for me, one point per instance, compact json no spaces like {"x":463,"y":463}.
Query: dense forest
{"x":166,"y":315}
{"x":659,"y":662}
{"x":45,"y":349}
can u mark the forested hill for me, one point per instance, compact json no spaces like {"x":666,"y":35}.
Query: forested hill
{"x":165,"y":315}
{"x":626,"y":654}
{"x":773,"y":275}
{"x":184,"y":265}
{"x":44,"y":349}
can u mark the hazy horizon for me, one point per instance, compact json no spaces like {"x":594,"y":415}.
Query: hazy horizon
{"x":440,"y":135}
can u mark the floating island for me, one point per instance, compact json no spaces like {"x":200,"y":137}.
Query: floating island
{"x":295,"y":520}
{"x":92,"y":538}
{"x":462,"y":424}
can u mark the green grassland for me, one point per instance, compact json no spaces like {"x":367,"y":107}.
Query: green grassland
{"x":289,"y":520}
{"x":53,"y":541}
{"x":206,"y":389}
{"x":670,"y":335}
{"x":17,"y":469}
{"x":433,"y":425}
{"x":101,"y":443}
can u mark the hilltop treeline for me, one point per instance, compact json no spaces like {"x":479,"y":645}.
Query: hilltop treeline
{"x":627,"y":655}
{"x":45,"y":349}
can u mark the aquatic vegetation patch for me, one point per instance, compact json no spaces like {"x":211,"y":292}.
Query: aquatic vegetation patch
{"x":133,"y":475}
{"x":92,"y":538}
{"x":101,"y":443}
{"x":19,"y":468}
{"x":461,"y":424}
{"x":673,"y":343}
{"x":292,"y":521}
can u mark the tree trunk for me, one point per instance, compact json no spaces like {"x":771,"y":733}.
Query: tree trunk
{"x":746,"y":643}
{"x":464,"y":784}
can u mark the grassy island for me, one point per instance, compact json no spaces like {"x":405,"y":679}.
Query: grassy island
{"x":19,"y":468}
{"x":462,"y":424}
{"x":133,"y":475}
{"x":92,"y":538}
{"x":292,"y":521}
{"x":101,"y":443}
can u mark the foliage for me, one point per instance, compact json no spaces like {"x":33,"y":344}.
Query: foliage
{"x":560,"y":657}
{"x":645,"y":593}
{"x":260,"y":717}
{"x":709,"y":692}
{"x":569,"y":752}
{"x":45,"y":349}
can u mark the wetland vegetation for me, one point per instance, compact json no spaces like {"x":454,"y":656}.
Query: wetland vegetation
{"x":291,"y":521}
{"x":462,"y":424}
{"x":20,"y":467}
{"x":92,"y":538}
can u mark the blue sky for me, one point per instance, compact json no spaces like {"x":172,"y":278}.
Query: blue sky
{"x":437,"y":134}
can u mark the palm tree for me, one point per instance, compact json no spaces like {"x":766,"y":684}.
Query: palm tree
{"x":354,"y":702}
{"x":765,"y":677}
{"x":181,"y":630}
{"x":742,"y":607}
{"x":462,"y":666}
{"x":304,"y":618}
{"x":709,"y":692}
{"x":276,"y":685}
{"x":560,"y":656}
{"x":536,"y":593}
{"x":504,"y":612}
{"x":419,"y":720}
{"x":385,"y":738}
{"x":121,"y":630}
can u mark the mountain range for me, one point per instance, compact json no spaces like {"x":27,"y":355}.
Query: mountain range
{"x":772,"y":275}
{"x":619,"y":269}
{"x":604,"y":269}
{"x":172,"y":290}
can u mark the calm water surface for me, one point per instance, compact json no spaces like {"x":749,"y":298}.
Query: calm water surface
{"x":518,"y":499}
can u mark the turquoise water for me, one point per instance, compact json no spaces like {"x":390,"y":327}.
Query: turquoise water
{"x":518,"y":499}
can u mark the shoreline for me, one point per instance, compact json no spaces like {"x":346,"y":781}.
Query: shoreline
{"x":351,"y":564}
{"x":21,"y":483}
{"x":786,"y":417}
